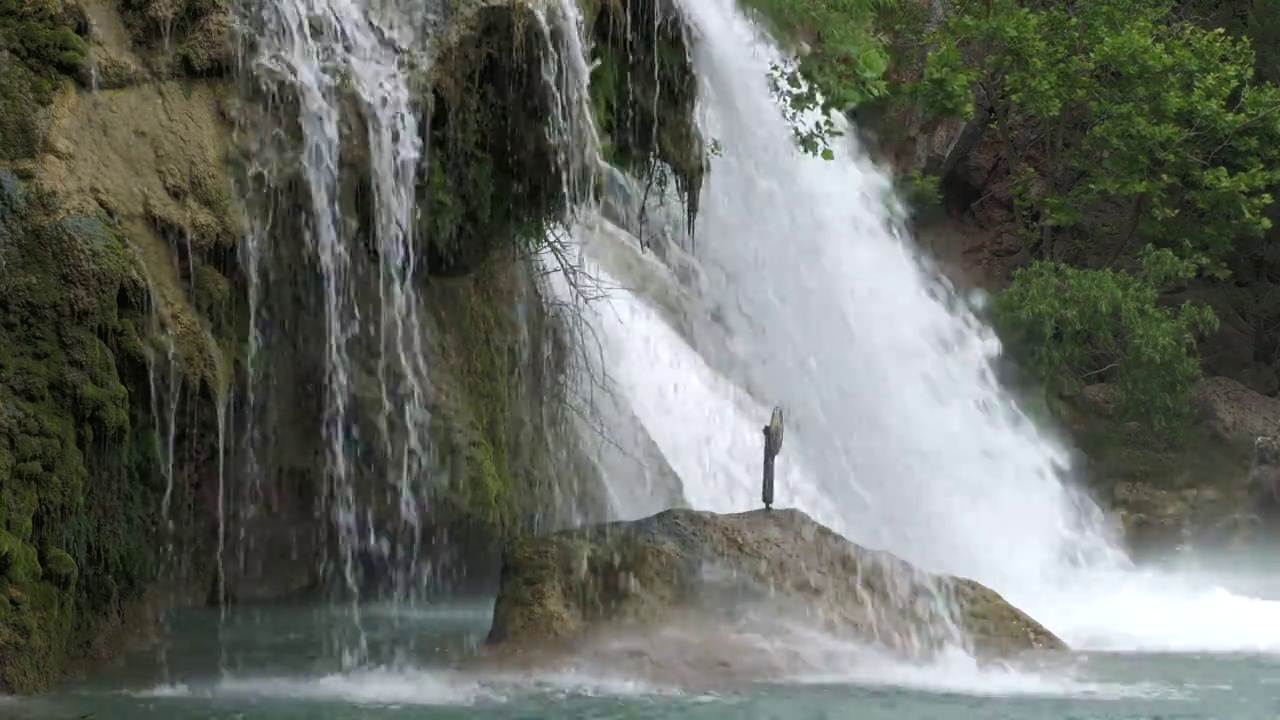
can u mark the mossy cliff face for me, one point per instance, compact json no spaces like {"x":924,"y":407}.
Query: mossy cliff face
{"x":125,"y":305}
{"x":116,"y":226}
{"x":39,"y":45}
{"x":76,"y":450}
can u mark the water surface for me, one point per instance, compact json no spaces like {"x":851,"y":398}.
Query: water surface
{"x":280,"y":663}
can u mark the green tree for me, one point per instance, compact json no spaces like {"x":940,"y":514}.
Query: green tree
{"x":1075,"y":326}
{"x":1121,"y":124}
{"x":845,"y":52}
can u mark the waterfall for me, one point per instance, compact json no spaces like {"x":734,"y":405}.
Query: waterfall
{"x":810,"y":295}
{"x":337,"y":67}
{"x":802,"y":291}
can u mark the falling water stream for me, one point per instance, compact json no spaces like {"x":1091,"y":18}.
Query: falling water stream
{"x":322,"y":53}
{"x":803,"y":291}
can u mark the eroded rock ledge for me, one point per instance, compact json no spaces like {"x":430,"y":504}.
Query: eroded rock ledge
{"x":561,"y":588}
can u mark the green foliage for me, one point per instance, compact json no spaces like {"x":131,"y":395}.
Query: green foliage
{"x":1119,"y":108}
{"x":845,"y":61}
{"x":920,"y":192}
{"x":1075,"y":326}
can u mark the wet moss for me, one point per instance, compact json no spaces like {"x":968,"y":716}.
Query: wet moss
{"x":192,"y":37}
{"x":42,"y":34}
{"x":494,"y":176}
{"x":475,"y":414}
{"x":20,"y":91}
{"x":75,"y":501}
{"x":39,"y":48}
{"x":644,"y":92}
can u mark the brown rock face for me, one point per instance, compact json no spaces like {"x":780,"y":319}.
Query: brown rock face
{"x":1235,"y":412}
{"x":560,"y":588}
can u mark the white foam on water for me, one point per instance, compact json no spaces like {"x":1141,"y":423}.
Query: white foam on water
{"x":411,"y":687}
{"x":371,"y":687}
{"x":953,"y":672}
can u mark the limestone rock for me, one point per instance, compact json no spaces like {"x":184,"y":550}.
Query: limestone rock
{"x":557,"y":588}
{"x":1235,"y":412}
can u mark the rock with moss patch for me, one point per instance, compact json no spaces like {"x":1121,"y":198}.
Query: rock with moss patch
{"x":569,"y":585}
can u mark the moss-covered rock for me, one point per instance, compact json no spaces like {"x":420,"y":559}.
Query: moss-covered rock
{"x":502,"y":407}
{"x":158,"y":168}
{"x":187,"y":37}
{"x":493,"y":175}
{"x":43,"y":35}
{"x":76,"y":476}
{"x":644,"y":92}
{"x":39,"y":49}
{"x":565,"y":586}
{"x":496,"y":172}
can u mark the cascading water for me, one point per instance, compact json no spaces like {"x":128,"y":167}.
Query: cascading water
{"x":331,"y":57}
{"x":899,"y":435}
{"x":893,"y":401}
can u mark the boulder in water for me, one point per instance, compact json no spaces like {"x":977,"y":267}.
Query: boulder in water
{"x":677,"y":564}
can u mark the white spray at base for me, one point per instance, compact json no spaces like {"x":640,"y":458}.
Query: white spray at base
{"x":899,"y":436}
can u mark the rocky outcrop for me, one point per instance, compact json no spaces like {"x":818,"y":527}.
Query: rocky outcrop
{"x":1234,"y":412}
{"x":561,"y":588}
{"x":1196,"y":492}
{"x":1264,"y":478}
